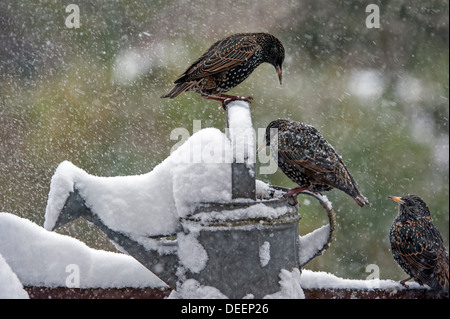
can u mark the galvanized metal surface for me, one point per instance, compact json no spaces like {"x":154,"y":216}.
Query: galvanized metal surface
{"x":245,"y":256}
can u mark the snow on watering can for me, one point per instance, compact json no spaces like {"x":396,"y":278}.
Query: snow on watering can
{"x":199,"y":216}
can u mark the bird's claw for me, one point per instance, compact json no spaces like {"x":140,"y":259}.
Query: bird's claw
{"x":227,"y":99}
{"x":292,"y":199}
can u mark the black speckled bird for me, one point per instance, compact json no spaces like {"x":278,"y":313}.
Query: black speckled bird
{"x":227,"y":63}
{"x":309,"y":160}
{"x":417,"y":245}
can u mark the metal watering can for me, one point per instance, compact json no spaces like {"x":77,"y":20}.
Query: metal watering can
{"x":229,"y":246}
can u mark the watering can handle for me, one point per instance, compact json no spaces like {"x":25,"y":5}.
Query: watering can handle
{"x":306,"y":255}
{"x":303,"y":260}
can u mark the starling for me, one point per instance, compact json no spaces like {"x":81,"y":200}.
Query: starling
{"x":309,"y":160}
{"x":227,"y":63}
{"x":417,"y":245}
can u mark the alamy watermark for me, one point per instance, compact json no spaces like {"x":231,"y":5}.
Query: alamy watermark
{"x":373,"y":279}
{"x":73,"y":279}
{"x":373,"y":19}
{"x":73,"y":19}
{"x":243,"y":144}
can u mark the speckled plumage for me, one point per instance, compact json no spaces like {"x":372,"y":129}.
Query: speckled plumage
{"x":228,"y":62}
{"x":310,"y":161}
{"x":417,"y":245}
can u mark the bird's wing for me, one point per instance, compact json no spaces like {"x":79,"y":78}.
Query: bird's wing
{"x":224,"y":54}
{"x":417,"y":249}
{"x":312,"y":156}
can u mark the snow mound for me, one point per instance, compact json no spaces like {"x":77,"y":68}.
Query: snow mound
{"x":312,"y":242}
{"x":241,"y":133}
{"x":290,"y":287}
{"x":42,"y":258}
{"x":236,"y":213}
{"x":150,"y":204}
{"x":192,"y":289}
{"x":11,"y":287}
{"x":323,"y":280}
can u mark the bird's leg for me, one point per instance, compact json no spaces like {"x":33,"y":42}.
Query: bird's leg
{"x":295,"y":191}
{"x":403,"y":282}
{"x":225,"y":98}
{"x":216,"y":98}
{"x":237,"y":98}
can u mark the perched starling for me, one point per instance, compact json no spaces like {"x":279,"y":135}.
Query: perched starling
{"x":227,"y":63}
{"x":309,"y":160}
{"x":417,"y":245}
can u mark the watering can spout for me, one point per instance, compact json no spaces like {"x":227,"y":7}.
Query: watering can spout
{"x":73,"y":209}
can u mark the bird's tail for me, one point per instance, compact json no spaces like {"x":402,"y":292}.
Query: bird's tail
{"x":361,"y":200}
{"x":178,"y":88}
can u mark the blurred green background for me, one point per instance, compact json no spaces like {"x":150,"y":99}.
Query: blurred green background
{"x":92,"y":96}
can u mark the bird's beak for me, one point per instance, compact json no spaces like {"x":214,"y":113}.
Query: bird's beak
{"x":263,"y":145}
{"x":396,"y":198}
{"x":279,"y":72}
